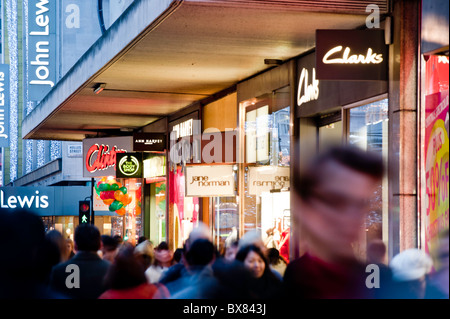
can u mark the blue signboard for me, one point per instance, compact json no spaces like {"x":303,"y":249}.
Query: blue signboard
{"x":41,"y":48}
{"x":4,"y":105}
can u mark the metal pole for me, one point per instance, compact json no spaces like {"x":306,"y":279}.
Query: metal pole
{"x":92,"y":201}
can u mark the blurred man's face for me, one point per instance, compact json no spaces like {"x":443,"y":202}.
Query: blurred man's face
{"x":333,"y":216}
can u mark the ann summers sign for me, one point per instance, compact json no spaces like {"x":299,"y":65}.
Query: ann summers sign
{"x":41,"y":48}
{"x":351,"y":55}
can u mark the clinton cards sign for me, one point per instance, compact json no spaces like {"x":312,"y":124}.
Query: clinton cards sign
{"x":100,"y":154}
{"x":351,"y":55}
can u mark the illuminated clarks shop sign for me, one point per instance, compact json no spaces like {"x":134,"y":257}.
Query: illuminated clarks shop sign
{"x":351,"y":55}
{"x":100,"y":154}
{"x":41,"y":48}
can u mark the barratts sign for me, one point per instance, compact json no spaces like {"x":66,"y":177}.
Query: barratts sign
{"x":41,"y":48}
{"x":267,"y":178}
{"x":4,"y":105}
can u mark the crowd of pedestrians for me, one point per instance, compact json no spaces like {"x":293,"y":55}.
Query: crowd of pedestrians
{"x":331,"y":198}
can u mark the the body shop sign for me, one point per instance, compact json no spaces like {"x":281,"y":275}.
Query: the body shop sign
{"x":209,"y":181}
{"x":351,"y":55}
{"x":100,"y":154}
{"x":267,"y":178}
{"x":41,"y":48}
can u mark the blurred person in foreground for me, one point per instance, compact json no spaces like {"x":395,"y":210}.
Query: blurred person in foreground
{"x":109,"y":248}
{"x":163,"y":259}
{"x":410,"y":269}
{"x":331,"y":199}
{"x":438,"y":281}
{"x":125,"y":278}
{"x":24,"y":269}
{"x":230,"y":278}
{"x":264,"y":284}
{"x":92,"y":268}
{"x":145,"y":253}
{"x":276,"y":262}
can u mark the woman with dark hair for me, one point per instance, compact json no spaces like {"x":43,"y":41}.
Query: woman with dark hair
{"x":265,"y":284}
{"x":126,"y":279}
{"x":163,"y":259}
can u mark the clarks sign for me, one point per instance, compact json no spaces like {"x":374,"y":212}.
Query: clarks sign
{"x":100,"y":154}
{"x":351,"y":55}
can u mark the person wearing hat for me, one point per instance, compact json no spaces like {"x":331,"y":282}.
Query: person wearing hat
{"x":409,"y":274}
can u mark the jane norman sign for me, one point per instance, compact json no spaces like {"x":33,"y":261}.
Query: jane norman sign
{"x":267,"y":178}
{"x":100,"y":154}
{"x":351,"y":55}
{"x":209,"y":181}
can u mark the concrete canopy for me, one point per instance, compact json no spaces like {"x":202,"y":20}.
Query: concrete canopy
{"x":161,"y":56}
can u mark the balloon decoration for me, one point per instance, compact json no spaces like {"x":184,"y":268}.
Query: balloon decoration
{"x":113,"y":195}
{"x":138,"y":200}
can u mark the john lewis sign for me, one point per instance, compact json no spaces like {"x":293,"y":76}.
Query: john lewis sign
{"x":44,"y":200}
{"x":41,"y":48}
{"x":4,"y":105}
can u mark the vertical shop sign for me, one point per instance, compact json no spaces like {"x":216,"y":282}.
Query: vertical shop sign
{"x":41,"y":48}
{"x":4,"y":105}
{"x":436,"y":165}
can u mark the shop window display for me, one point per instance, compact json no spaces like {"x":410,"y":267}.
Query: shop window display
{"x":266,"y":172}
{"x":368,"y":129}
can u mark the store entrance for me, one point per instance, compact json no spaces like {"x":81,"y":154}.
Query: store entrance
{"x":329,"y":131}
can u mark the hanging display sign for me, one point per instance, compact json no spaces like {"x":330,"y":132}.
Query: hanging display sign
{"x":4,"y":105}
{"x":436,"y":165}
{"x":210,"y":181}
{"x":149,"y":142}
{"x":154,"y":166}
{"x":41,"y":48}
{"x":99,"y":154}
{"x":267,"y":178}
{"x":351,"y":55}
{"x":129,"y":165}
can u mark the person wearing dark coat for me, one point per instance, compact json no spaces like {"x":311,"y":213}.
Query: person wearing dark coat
{"x":92,"y":269}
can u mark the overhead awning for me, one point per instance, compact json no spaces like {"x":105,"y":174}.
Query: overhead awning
{"x":161,"y":56}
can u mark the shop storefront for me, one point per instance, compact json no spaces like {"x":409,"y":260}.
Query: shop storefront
{"x":183,"y":211}
{"x":333,"y":109}
{"x":119,"y":198}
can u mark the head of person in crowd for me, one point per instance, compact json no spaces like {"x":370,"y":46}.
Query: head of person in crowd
{"x":87,"y":238}
{"x":57,"y":240}
{"x":201,"y":231}
{"x":110,"y":246}
{"x":178,"y":255}
{"x":141,"y":239}
{"x":253,"y":237}
{"x":409,"y":270}
{"x":69,"y":248}
{"x":163,"y":255}
{"x":119,"y":239}
{"x":332,"y":196}
{"x":376,"y":252}
{"x":144,"y":252}
{"x":201,"y":253}
{"x":231,"y":251}
{"x":23,"y":268}
{"x":126,"y":271}
{"x":254,"y":260}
